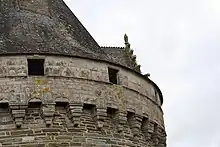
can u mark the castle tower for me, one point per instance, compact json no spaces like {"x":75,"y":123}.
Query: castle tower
{"x":59,"y":88}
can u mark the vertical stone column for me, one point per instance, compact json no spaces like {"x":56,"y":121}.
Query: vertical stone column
{"x":136,"y":125}
{"x":155,"y":135}
{"x":18,"y":113}
{"x":135,"y":122}
{"x":47,"y":113}
{"x":100,"y":116}
{"x":74,"y":111}
{"x":121,"y":117}
{"x":150,"y":130}
{"x":144,"y":127}
{"x":162,"y":138}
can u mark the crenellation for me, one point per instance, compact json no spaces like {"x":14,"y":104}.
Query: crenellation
{"x":85,"y":102}
{"x":56,"y":88}
{"x":137,"y":123}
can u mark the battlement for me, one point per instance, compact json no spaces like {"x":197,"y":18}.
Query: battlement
{"x":62,"y":115}
{"x":59,"y":88}
{"x":74,"y":97}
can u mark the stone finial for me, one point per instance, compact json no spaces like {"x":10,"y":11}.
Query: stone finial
{"x":126,"y":38}
{"x":127,"y":44}
{"x":131,"y":52}
{"x":138,"y":68}
{"x":134,"y":57}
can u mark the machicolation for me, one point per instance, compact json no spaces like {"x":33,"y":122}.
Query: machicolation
{"x":59,"y":88}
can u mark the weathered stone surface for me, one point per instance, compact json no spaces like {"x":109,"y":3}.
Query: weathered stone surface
{"x":46,"y":27}
{"x":57,"y":101}
{"x":73,"y":104}
{"x":74,"y":112}
{"x":42,"y":26}
{"x":47,"y":112}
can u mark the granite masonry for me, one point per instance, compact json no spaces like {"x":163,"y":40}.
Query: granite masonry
{"x":59,"y":88}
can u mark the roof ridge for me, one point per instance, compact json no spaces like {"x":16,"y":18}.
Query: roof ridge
{"x":118,"y":47}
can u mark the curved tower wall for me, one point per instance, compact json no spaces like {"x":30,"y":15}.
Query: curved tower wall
{"x":74,"y":104}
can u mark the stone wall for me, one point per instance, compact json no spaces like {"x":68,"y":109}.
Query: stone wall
{"x":75,"y":105}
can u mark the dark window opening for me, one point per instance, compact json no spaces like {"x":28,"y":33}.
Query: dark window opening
{"x":89,"y":108}
{"x":113,"y":75}
{"x":4,"y":105}
{"x":34,"y":104}
{"x":36,"y":67}
{"x":61,"y":105}
{"x":130,"y":117}
{"x":111,"y":112}
{"x":144,"y":125}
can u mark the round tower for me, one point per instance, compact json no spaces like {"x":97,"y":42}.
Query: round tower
{"x":59,"y":88}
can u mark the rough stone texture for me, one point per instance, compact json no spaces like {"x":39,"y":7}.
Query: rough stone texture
{"x":48,"y":27}
{"x":75,"y":105}
{"x":44,"y":26}
{"x":119,"y":55}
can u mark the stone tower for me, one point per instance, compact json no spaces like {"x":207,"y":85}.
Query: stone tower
{"x":59,"y":88}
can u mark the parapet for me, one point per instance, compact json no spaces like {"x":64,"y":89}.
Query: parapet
{"x":36,"y":117}
{"x":75,"y":94}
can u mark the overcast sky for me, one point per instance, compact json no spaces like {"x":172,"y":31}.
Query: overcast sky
{"x":178,"y":43}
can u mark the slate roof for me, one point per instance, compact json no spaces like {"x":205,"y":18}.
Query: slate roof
{"x":42,"y":26}
{"x":118,"y":55}
{"x":49,"y":27}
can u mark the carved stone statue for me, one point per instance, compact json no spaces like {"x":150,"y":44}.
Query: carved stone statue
{"x":127,"y":44}
{"x":126,"y":38}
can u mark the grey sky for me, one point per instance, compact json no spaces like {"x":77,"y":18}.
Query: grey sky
{"x":178,"y":42}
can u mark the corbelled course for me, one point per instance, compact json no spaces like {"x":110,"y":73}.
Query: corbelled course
{"x":59,"y":88}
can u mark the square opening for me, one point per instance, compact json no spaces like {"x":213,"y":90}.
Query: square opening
{"x":113,"y":75}
{"x":111,"y":112}
{"x":36,"y":67}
